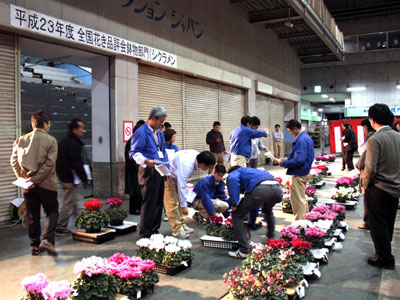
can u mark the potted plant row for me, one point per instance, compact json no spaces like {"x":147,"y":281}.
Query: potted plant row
{"x":277,"y":270}
{"x":170,"y":254}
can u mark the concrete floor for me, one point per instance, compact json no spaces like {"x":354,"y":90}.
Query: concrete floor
{"x":347,"y":276}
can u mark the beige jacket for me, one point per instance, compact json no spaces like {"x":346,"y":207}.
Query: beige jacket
{"x":382,"y":162}
{"x":36,"y":152}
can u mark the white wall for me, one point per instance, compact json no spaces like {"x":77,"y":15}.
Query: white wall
{"x":100,"y":110}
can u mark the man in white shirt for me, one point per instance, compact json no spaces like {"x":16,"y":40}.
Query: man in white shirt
{"x":176,"y":194}
{"x":277,"y":137}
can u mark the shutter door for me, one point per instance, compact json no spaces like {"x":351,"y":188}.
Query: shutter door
{"x":271,"y":112}
{"x":231,"y":111}
{"x":158,"y":87}
{"x":201,"y":110}
{"x":7,"y":121}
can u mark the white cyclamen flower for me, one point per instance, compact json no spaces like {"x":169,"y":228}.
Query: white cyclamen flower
{"x":184,"y":244}
{"x":156,"y":245}
{"x":157,"y":237}
{"x":323,"y":224}
{"x":303,"y":224}
{"x":143,"y":243}
{"x":170,"y":240}
{"x":172,"y":248}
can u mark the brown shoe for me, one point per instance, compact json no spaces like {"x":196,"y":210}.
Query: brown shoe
{"x":49,"y":247}
{"x":363,"y":226}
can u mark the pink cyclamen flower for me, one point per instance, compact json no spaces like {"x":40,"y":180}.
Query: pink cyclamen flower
{"x":147,"y":265}
{"x":338,"y":208}
{"x":321,"y":209}
{"x":35,"y":284}
{"x":312,"y":216}
{"x":314,"y":232}
{"x":329,"y":215}
{"x":57,"y":290}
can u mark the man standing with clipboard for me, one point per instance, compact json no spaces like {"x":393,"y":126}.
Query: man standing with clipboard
{"x":148,"y":148}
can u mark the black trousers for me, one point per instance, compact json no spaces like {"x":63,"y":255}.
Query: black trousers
{"x":152,"y":187}
{"x":33,"y":199}
{"x":348,"y":158}
{"x":382,"y":209}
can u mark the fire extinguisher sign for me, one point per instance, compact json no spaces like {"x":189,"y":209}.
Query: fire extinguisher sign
{"x":128,"y":129}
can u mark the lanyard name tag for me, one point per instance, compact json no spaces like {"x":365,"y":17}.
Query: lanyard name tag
{"x":160,"y":155}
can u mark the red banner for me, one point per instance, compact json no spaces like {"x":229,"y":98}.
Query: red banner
{"x":336,"y":131}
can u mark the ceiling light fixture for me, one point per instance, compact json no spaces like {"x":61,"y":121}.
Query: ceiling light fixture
{"x":332,"y":99}
{"x":324,"y":96}
{"x":289,"y":23}
{"x":320,"y":109}
{"x":359,"y":88}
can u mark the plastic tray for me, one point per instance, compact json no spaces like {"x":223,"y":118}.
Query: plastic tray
{"x":217,"y":242}
{"x":162,"y":269}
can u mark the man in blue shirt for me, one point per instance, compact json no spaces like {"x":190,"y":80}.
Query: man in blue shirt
{"x":259,"y":188}
{"x":211,"y":198}
{"x":240,"y":142}
{"x":148,"y":147}
{"x":298,"y":164}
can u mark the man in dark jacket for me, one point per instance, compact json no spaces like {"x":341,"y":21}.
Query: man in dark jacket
{"x":132,"y":187}
{"x":71,"y":172}
{"x":349,"y":146}
{"x":216,"y":141}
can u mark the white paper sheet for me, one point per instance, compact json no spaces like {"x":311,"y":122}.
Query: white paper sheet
{"x":17,"y":202}
{"x":190,"y":196}
{"x":162,"y":169}
{"x":270,"y":155}
{"x":22,"y":183}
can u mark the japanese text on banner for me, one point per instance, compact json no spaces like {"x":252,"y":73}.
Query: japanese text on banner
{"x":41,"y":23}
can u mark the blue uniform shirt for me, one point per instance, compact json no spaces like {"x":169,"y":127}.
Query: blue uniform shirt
{"x":143,"y":142}
{"x":243,"y":181}
{"x":172,"y":147}
{"x":206,"y":190}
{"x":240,"y":139}
{"x":301,"y":157}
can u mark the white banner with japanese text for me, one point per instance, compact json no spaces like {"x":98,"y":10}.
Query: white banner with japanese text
{"x":37,"y":22}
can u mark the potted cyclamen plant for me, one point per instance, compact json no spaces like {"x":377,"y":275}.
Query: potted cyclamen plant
{"x":116,"y":212}
{"x":37,"y":287}
{"x":94,"y":281}
{"x":57,"y":290}
{"x":220,"y":228}
{"x":92,"y":219}
{"x":33,"y":286}
{"x":135,"y":277}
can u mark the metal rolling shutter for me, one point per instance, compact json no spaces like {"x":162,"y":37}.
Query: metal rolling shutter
{"x":201,"y":110}
{"x":271,"y":112}
{"x":8,"y":85}
{"x":158,"y":87}
{"x":231,"y":111}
